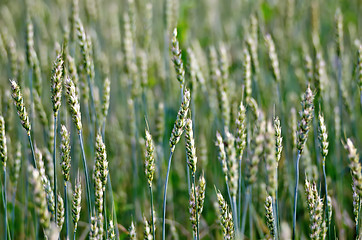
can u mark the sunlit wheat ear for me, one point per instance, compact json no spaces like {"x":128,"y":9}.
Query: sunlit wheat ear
{"x":356,"y":201}
{"x":3,"y":147}
{"x":149,"y":158}
{"x":65,"y":153}
{"x":132,"y":232}
{"x":76,"y":202}
{"x":315,"y":206}
{"x":111,"y":234}
{"x":56,"y":84}
{"x":60,"y":212}
{"x":176,"y":59}
{"x":232,"y":163}
{"x":190,"y":146}
{"x":222,"y":155}
{"x":273,"y":57}
{"x":101,"y":161}
{"x":354,"y":165}
{"x":93,"y":234}
{"x":179,"y":125}
{"x":225,"y":217}
{"x":20,"y":107}
{"x":323,"y":136}
{"x":73,"y":101}
{"x":306,"y":116}
{"x":240,"y":130}
{"x":147,"y":230}
{"x":200,"y":195}
{"x":269,"y":215}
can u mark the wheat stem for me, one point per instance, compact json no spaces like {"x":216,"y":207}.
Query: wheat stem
{"x":87,"y":179}
{"x":296,"y":192}
{"x":164,"y":198}
{"x":153,"y":222}
{"x":54,"y":161}
{"x":245,"y":207}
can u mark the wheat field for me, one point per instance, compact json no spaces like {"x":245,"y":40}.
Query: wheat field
{"x":180,"y":119}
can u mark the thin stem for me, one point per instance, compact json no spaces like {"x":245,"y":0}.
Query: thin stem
{"x":197,"y":209}
{"x":326,"y":194}
{"x":113,"y":208}
{"x":13,"y":213}
{"x":54,"y":161}
{"x":86,"y":175}
{"x":152,"y":221}
{"x":5,"y":205}
{"x":66,"y":211}
{"x":164,"y":198}
{"x":32,"y":151}
{"x":296,"y":193}
{"x":239,"y":191}
{"x":245,"y":207}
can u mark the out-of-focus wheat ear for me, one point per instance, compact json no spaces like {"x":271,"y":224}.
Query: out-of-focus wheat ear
{"x":356,"y":203}
{"x":101,"y":160}
{"x":225,"y":108}
{"x":315,"y":207}
{"x":56,"y":84}
{"x":306,"y":115}
{"x":73,"y":73}
{"x":252,"y":41}
{"x":76,"y":203}
{"x":177,"y":59}
{"x":160,"y":123}
{"x":253,"y":161}
{"x":247,"y":74}
{"x":60,"y":213}
{"x":320,"y":74}
{"x":359,"y":71}
{"x":308,"y":67}
{"x":106,"y":97}
{"x":147,"y":230}
{"x":65,"y":153}
{"x":3,"y":147}
{"x":225,"y":217}
{"x":73,"y":101}
{"x":330,"y":210}
{"x":111,"y":235}
{"x":269,"y":215}
{"x":73,"y":19}
{"x":20,"y":107}
{"x":278,"y":139}
{"x":178,"y":127}
{"x":40,"y":110}
{"x":338,"y":17}
{"x":273,"y":57}
{"x":132,"y":232}
{"x":224,"y":63}
{"x":190,"y":146}
{"x":49,"y":196}
{"x":40,"y":203}
{"x":3,"y":158}
{"x":201,"y":194}
{"x":270,"y":159}
{"x":354,"y":165}
{"x":15,"y":165}
{"x":29,"y":44}
{"x":93,"y":234}
{"x":149,"y":158}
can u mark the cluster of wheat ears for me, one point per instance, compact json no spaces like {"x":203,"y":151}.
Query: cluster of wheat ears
{"x":98,"y":152}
